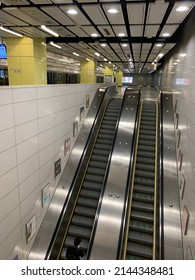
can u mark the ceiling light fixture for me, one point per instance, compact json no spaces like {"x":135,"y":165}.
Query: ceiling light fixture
{"x":49,"y":31}
{"x":88,"y":59}
{"x":75,"y":54}
{"x":72,"y":12}
{"x":124,"y":45}
{"x":105,"y":59}
{"x":182,"y":9}
{"x":166,"y":35}
{"x":183,"y":54}
{"x":113,"y":11}
{"x":94,"y":35}
{"x":158,"y":45}
{"x":103,"y":45}
{"x":10,"y":31}
{"x":121,"y":34}
{"x":55,"y":45}
{"x":97,"y":54}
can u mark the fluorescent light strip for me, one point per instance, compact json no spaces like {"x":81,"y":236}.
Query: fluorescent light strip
{"x":10,"y":31}
{"x":55,"y":45}
{"x":75,"y":54}
{"x":49,"y":31}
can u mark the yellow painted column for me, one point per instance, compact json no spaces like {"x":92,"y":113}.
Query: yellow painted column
{"x":108,"y":75}
{"x":119,"y":76}
{"x":88,"y":75}
{"x":27,"y":61}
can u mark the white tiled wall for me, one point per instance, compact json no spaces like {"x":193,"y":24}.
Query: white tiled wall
{"x":182,"y":66}
{"x":34,"y":123}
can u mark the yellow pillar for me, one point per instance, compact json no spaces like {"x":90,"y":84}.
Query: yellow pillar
{"x":119,"y":76}
{"x":108,"y":75}
{"x":27,"y":62}
{"x":88,"y":72}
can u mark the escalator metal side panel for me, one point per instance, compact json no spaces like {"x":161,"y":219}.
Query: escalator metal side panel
{"x":172,"y":236}
{"x":110,"y":220}
{"x":62,"y":192}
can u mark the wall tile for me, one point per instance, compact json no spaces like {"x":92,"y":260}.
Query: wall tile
{"x":25,"y":112}
{"x":7,"y":160}
{"x":8,"y":182}
{"x":29,"y":203}
{"x":26,"y":131}
{"x":60,"y":130}
{"x":21,"y":94}
{"x":46,"y":154}
{"x":45,"y":123}
{"x":59,"y":103}
{"x":27,"y":149}
{"x":29,"y":185}
{"x":9,"y":223}
{"x":8,"y":203}
{"x":46,"y":170}
{"x":7,"y":117}
{"x":28,"y":167}
{"x":59,"y":90}
{"x":46,"y":138}
{"x":7,"y":139}
{"x":10,"y":243}
{"x":44,"y":92}
{"x":45,"y":107}
{"x":59,"y":117}
{"x":6,"y":96}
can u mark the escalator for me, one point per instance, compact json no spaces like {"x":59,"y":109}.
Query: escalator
{"x":140,"y":241}
{"x":82,"y":219}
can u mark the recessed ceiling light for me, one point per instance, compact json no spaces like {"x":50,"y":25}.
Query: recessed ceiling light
{"x":94,"y":35}
{"x":158,"y":45}
{"x":97,"y":54}
{"x":183,"y":54}
{"x":160,"y":54}
{"x":124,"y":45}
{"x":113,"y":11}
{"x":103,"y":45}
{"x":72,"y":12}
{"x":105,"y":59}
{"x":165,"y":34}
{"x":182,"y":9}
{"x":121,"y":34}
{"x":88,"y":59}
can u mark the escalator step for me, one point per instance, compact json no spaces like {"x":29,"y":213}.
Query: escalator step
{"x":87,"y":202}
{"x":139,"y":250}
{"x":104,"y":141}
{"x":146,"y":148}
{"x":98,"y":164}
{"x":140,"y":237}
{"x":140,"y":205}
{"x":144,"y":173}
{"x":147,"y":132}
{"x":92,"y":185}
{"x":105,"y":136}
{"x":101,"y":152}
{"x":144,"y":181}
{"x":99,"y":158}
{"x":90,"y":193}
{"x":147,"y":167}
{"x":141,"y":226}
{"x":107,"y":131}
{"x":148,"y":198}
{"x":142,"y":216}
{"x":146,"y":160}
{"x":147,"y":137}
{"x":95,"y":171}
{"x":79,"y":231}
{"x":82,"y":221}
{"x":146,"y":154}
{"x":102,"y":146}
{"x":94,"y":178}
{"x":84,"y":211}
{"x":109,"y":126}
{"x":144,"y":189}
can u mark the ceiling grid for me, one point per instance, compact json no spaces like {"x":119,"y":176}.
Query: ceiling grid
{"x":128,"y":34}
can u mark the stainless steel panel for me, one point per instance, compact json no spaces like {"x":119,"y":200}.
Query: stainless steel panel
{"x":172,"y":241}
{"x":46,"y":231}
{"x":106,"y":239}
